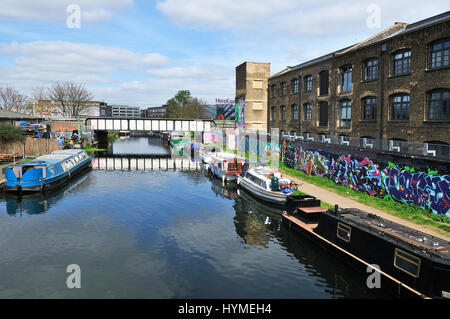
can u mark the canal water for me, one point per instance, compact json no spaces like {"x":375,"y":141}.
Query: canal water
{"x":161,"y":234}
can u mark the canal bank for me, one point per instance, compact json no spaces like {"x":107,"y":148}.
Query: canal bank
{"x":332,"y":198}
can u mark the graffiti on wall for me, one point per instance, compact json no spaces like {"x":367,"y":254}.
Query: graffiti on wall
{"x":364,"y":175}
{"x":424,"y":189}
{"x":421,"y":189}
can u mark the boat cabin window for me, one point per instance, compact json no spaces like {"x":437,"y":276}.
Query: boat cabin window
{"x":344,"y":232}
{"x":256,"y":180}
{"x":407,"y":262}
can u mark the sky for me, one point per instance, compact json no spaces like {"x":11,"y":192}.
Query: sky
{"x":142,"y":52}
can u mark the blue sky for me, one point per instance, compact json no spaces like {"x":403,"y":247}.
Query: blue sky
{"x":142,"y":52}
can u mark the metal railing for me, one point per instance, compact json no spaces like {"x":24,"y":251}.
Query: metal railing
{"x":441,"y":151}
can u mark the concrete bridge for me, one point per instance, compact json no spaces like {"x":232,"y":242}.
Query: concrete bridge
{"x":148,"y":125}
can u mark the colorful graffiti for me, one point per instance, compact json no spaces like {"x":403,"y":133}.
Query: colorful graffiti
{"x":424,"y":189}
{"x":363,"y":175}
{"x":421,"y":189}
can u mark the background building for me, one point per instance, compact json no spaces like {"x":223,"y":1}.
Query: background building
{"x":251,"y":94}
{"x":156,"y":112}
{"x":391,"y":88}
{"x":122,"y":111}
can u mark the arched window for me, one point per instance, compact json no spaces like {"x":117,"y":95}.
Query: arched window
{"x":272,"y":113}
{"x":294,"y":112}
{"x":400,"y":107}
{"x":437,"y":148}
{"x":283,"y":88}
{"x":438,"y":105}
{"x":346,"y":78}
{"x":369,"y":108}
{"x":283,"y":112}
{"x":295,"y":83}
{"x":346,"y":113}
{"x":308,"y":83}
{"x":307,"y":111}
{"x":439,"y":52}
{"x":370,"y":69}
{"x":401,"y":62}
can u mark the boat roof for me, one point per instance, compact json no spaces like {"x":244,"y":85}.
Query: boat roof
{"x":54,"y":157}
{"x":417,"y":241}
{"x":223,"y":155}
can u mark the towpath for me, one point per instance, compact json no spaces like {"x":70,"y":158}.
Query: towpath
{"x":343,"y":202}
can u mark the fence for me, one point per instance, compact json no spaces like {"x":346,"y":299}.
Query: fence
{"x":30,"y":147}
{"x":424,"y":149}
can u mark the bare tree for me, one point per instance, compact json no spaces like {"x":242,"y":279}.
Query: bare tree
{"x":11,"y":99}
{"x":39,"y":96}
{"x":71,"y":99}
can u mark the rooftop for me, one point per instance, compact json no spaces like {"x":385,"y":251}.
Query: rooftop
{"x":397,"y":29}
{"x":6,"y":114}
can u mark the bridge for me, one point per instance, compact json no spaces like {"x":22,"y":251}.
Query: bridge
{"x":131,"y":163}
{"x":148,"y":125}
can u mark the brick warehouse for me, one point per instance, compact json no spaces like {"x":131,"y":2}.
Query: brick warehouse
{"x":393,"y":86}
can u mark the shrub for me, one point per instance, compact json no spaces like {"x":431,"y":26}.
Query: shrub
{"x":9,"y":133}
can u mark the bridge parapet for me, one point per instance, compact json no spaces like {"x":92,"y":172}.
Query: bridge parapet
{"x":130,"y":124}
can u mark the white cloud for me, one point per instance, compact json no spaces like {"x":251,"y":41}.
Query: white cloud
{"x":290,"y":17}
{"x":78,"y":58}
{"x":51,"y":10}
{"x":206,"y":72}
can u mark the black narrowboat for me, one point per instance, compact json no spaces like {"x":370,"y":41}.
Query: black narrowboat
{"x":406,"y":257}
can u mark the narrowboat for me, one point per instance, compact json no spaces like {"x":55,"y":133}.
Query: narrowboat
{"x":411,"y":263}
{"x":225,"y":166}
{"x":264,"y":183}
{"x":47,"y":171}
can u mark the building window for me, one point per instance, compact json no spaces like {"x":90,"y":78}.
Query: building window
{"x":370,"y":69}
{"x":283,"y":88}
{"x":294,"y":111}
{"x":439,"y":105}
{"x":369,"y":109}
{"x":323,"y":77}
{"x":439,"y":54}
{"x":346,"y":114}
{"x":346,"y":79}
{"x":323,"y":114}
{"x":308,"y":111}
{"x":401,"y":63}
{"x":283,"y":113}
{"x":295,"y":83}
{"x":400,"y":107}
{"x":274,"y":92}
{"x":272,"y":113}
{"x":308,"y":83}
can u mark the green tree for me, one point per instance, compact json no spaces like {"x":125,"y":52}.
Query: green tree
{"x":183,"y":105}
{"x":177,"y":104}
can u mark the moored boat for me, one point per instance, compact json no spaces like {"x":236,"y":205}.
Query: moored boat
{"x":47,"y":171}
{"x":266,"y":184}
{"x":411,"y":262}
{"x":225,"y":166}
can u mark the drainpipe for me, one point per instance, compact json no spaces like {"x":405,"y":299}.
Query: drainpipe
{"x":381,"y":68}
{"x":300,"y":106}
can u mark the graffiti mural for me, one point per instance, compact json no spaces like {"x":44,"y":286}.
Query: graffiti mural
{"x":311,"y":162}
{"x":421,"y":189}
{"x":363,"y":175}
{"x":424,"y":189}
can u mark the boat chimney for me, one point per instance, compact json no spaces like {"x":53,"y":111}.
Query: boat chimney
{"x":336,"y":209}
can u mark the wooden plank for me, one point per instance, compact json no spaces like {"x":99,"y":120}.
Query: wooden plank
{"x":309,"y":210}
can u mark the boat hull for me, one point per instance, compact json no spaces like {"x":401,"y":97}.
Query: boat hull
{"x":269,"y":196}
{"x":48,"y":184}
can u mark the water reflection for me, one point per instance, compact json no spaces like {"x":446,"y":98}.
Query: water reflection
{"x":138,"y":145}
{"x":38,"y":203}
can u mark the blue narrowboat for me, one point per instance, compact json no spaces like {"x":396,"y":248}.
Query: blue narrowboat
{"x":47,"y":171}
